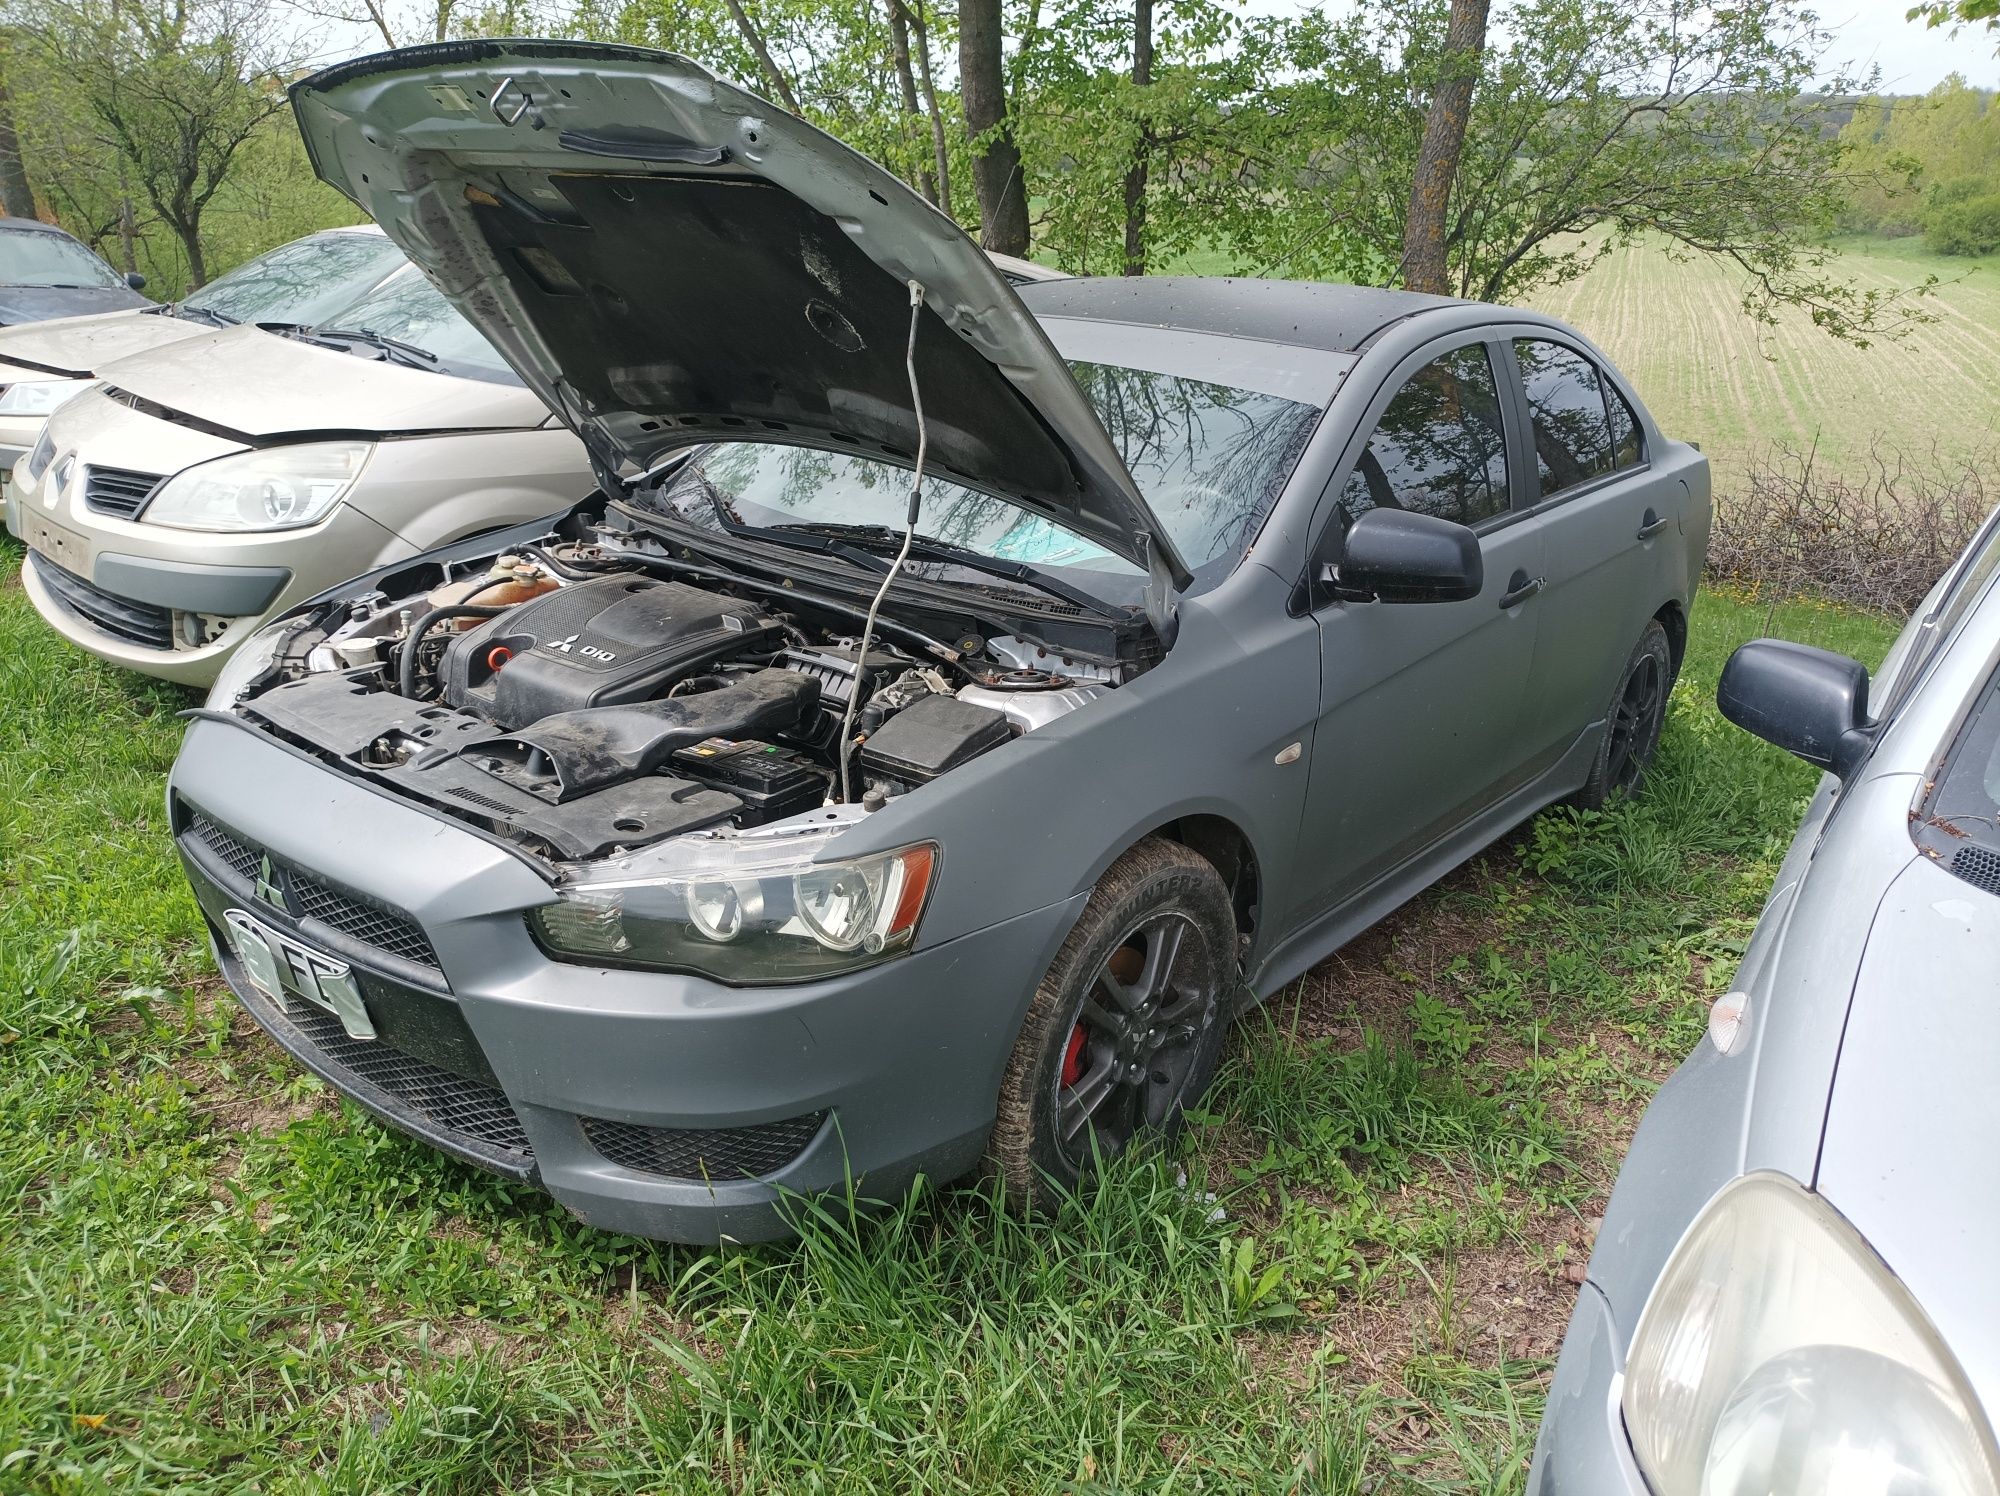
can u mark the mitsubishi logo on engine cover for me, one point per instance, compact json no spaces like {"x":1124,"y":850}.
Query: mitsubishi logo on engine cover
{"x":588,"y":651}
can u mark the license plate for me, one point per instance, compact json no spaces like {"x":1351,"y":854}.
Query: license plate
{"x":287,"y":971}
{"x":61,"y":546}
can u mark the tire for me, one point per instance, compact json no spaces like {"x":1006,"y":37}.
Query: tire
{"x":1637,"y":712}
{"x":1115,"y":1049}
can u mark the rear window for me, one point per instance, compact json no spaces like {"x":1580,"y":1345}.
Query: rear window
{"x":1573,"y":437}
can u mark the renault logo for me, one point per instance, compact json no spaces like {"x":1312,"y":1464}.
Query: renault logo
{"x":266,"y":887}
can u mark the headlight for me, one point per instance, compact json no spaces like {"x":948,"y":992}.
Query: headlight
{"x":748,"y":909}
{"x":253,"y":657}
{"x":38,"y":397}
{"x":40,"y":455}
{"x":281,"y":488}
{"x":1779,"y":1356}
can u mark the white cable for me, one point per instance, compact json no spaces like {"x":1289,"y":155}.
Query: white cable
{"x":902,"y":555}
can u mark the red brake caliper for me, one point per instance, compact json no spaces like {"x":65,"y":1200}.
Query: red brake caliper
{"x":1072,"y":1070}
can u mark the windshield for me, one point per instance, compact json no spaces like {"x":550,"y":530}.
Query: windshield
{"x":411,"y":310}
{"x":298,"y":282}
{"x":32,"y":259}
{"x":1209,"y":458}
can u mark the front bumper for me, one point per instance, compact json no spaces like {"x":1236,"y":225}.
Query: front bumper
{"x":126,"y":591}
{"x":1582,"y":1449}
{"x":599,"y":1085}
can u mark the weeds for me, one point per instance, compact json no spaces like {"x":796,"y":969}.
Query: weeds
{"x":214,"y":1277}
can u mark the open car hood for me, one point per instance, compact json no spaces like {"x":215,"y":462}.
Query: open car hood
{"x":670,"y":260}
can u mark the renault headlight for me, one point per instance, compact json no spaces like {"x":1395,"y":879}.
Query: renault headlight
{"x":39,"y":397}
{"x":1778,"y":1356}
{"x":280,"y":488}
{"x":748,"y":909}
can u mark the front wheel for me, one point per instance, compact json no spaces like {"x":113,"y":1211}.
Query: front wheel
{"x":1637,"y":713}
{"x":1125,"y":1030}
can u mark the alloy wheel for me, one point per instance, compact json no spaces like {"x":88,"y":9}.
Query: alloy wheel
{"x":1635,"y":723}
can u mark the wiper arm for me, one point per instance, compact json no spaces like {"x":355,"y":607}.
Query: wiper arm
{"x":374,"y":339}
{"x":200,"y":314}
{"x":929,"y":548}
{"x":788,"y":536}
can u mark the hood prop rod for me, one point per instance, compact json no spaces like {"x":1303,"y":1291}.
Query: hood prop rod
{"x":902,"y":555}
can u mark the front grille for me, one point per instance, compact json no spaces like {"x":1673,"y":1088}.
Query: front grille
{"x":117,"y":491}
{"x":120,"y":617}
{"x":1978,"y":867}
{"x":310,"y":897}
{"x":451,"y":1102}
{"x":721,"y":1154}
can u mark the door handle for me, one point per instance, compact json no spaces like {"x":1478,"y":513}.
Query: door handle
{"x":1652,"y":524}
{"x":1520,"y":587}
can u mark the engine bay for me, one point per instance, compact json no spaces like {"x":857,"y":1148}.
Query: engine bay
{"x":581,"y":699}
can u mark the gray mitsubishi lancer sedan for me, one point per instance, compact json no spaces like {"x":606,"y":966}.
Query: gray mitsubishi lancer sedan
{"x":959,"y":698}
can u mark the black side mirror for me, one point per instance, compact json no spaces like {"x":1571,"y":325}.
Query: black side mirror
{"x":1807,"y":701}
{"x":135,"y":280}
{"x":1398,"y":556}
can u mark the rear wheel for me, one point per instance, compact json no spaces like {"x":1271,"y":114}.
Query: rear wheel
{"x":1637,"y":713}
{"x":1125,"y":1030}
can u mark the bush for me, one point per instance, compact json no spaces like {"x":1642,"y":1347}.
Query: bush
{"x":1877,"y":541}
{"x":1968,"y":226}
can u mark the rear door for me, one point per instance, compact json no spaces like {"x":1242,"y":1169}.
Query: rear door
{"x":1421,"y":704}
{"x":1612,"y":525}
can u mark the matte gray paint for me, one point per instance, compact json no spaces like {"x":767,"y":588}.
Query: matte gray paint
{"x":1027,"y":830}
{"x":226,"y":591}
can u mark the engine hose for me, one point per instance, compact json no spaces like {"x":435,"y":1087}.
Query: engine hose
{"x":406,"y":665}
{"x":569,"y":571}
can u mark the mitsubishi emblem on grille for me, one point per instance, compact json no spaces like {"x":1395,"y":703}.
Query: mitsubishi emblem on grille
{"x":266,"y":888}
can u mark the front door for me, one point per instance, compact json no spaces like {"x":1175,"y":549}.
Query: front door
{"x":1421,"y":704}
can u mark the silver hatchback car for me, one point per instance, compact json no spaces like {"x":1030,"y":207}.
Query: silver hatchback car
{"x":1794,"y":1290}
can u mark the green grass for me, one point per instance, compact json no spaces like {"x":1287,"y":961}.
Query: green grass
{"x":214,"y":1277}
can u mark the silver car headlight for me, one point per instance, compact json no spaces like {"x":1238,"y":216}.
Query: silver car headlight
{"x":1779,"y":1356}
{"x":39,"y":397}
{"x":278,"y":488}
{"x":747,"y":909}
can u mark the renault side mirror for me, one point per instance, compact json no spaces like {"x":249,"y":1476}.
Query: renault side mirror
{"x":1809,"y":702}
{"x":1399,"y":556}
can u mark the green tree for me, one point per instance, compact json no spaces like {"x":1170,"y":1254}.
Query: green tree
{"x":1903,"y":148}
{"x":164,"y":94}
{"x":1591,"y":122}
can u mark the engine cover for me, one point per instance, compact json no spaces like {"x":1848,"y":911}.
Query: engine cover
{"x":605,"y":642}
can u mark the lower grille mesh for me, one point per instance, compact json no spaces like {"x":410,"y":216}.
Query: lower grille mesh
{"x":450,"y":1102}
{"x":720,"y":1154}
{"x":120,"y":617}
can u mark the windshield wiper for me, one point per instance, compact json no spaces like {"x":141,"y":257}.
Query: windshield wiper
{"x":374,"y":339}
{"x":825,"y":545}
{"x":946,"y":552}
{"x":200,"y":314}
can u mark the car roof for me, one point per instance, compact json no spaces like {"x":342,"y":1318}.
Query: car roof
{"x":33,"y":226}
{"x":1305,"y":314}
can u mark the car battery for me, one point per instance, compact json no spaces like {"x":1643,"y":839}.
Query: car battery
{"x":772,"y":782}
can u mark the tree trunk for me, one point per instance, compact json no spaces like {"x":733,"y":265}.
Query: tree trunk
{"x":996,"y":160}
{"x":906,"y":84}
{"x":940,"y":150}
{"x":755,"y":41}
{"x":190,"y":237}
{"x":1423,"y":264}
{"x":1142,"y":149}
{"x":17,"y":198}
{"x":128,"y":236}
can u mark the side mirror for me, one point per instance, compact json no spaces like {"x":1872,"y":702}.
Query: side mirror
{"x":1807,"y":701}
{"x":135,"y":280}
{"x":1398,"y":556}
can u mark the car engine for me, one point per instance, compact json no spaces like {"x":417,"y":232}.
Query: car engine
{"x":581,"y":707}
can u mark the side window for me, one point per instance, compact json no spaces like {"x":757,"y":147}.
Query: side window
{"x":1566,"y":409}
{"x":1627,"y":446}
{"x":1438,"y":448}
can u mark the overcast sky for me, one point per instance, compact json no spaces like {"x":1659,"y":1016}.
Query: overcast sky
{"x":1912,"y":57}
